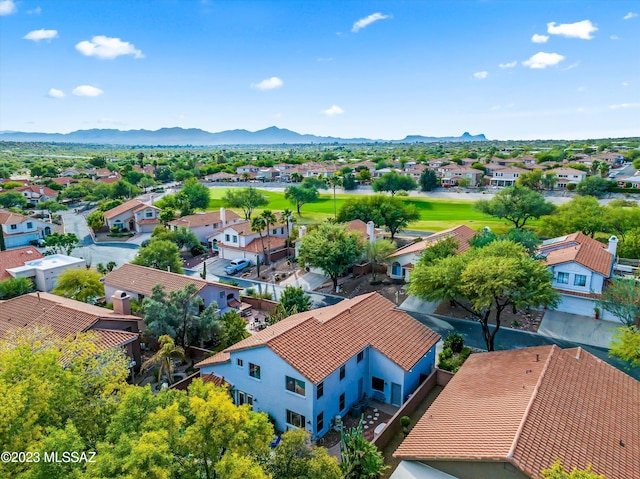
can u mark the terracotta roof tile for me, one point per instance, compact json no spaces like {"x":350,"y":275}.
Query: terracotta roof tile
{"x":579,"y":248}
{"x":111,"y":338}
{"x":509,"y":406}
{"x":317,"y":342}
{"x":216,"y":380}
{"x":204,"y":219}
{"x":7,"y":218}
{"x":461,"y":233}
{"x":123,"y":208}
{"x":141,"y":280}
{"x":16,"y":257}
{"x":255,"y":246}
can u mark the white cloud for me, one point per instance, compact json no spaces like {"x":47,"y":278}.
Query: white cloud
{"x":87,"y":90}
{"x":480,"y":75}
{"x":543,"y":60}
{"x":35,"y":11}
{"x":366,"y":21}
{"x":334,"y":110}
{"x":509,"y":65}
{"x":625,"y":83}
{"x":582,"y":30}
{"x":621,"y":106}
{"x":325,"y":59}
{"x":55,"y":93}
{"x":539,"y":38}
{"x":107,"y":48}
{"x":614,"y":37}
{"x":42,"y":34}
{"x":268,"y":84}
{"x":629,"y":16}
{"x":7,"y":7}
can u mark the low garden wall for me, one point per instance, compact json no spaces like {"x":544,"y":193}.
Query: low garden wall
{"x":259,"y":304}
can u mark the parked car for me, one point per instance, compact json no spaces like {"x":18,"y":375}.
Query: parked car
{"x":237,"y":265}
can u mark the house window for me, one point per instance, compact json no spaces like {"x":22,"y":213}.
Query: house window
{"x":342,"y":402}
{"x":226,"y":238}
{"x":222,"y":294}
{"x":563,"y":278}
{"x":295,"y":419}
{"x":254,"y":370}
{"x":282,"y":230}
{"x":29,"y":225}
{"x":149,"y":214}
{"x":377,"y":384}
{"x":360,"y":356}
{"x":244,"y":398}
{"x":239,"y":362}
{"x":579,"y":280}
{"x":235,"y":239}
{"x":396,"y":269}
{"x":14,"y":227}
{"x":320,"y":390}
{"x":320,"y":422}
{"x":343,"y":372}
{"x":295,"y":385}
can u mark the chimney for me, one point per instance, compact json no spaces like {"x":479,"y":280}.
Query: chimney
{"x":371,"y":233}
{"x":42,"y":190}
{"x":613,"y":245}
{"x":121,"y":302}
{"x":302,"y":231}
{"x":223,"y":217}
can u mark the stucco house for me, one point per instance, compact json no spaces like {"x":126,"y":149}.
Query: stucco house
{"x":451,"y":175}
{"x":36,"y":194}
{"x":238,"y":240}
{"x":565,"y":176}
{"x":311,"y":367}
{"x":12,"y":258}
{"x":134,"y":215}
{"x":44,"y":271}
{"x":511,"y":414}
{"x":580,"y":266}
{"x":402,"y":261}
{"x":506,"y":176}
{"x":19,"y":229}
{"x":138,"y":282}
{"x":204,"y":224}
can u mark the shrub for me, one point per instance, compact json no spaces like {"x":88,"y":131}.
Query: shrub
{"x":197,"y":250}
{"x":571,"y":186}
{"x":455,"y":341}
{"x":405,"y":421}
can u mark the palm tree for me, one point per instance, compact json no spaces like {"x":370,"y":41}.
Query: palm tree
{"x":163,"y":356}
{"x":269,"y":219}
{"x":257,"y":226}
{"x":376,"y":252}
{"x":288,"y":217}
{"x":334,"y":181}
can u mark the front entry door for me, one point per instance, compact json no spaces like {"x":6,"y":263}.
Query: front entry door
{"x":396,"y":398}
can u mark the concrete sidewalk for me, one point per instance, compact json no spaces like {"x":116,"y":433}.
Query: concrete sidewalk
{"x":578,"y":329}
{"x":307,"y":281}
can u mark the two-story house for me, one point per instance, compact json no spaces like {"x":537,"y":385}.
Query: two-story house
{"x":402,"y":261}
{"x":451,"y":175}
{"x":311,"y":367}
{"x":36,"y":194}
{"x":580,"y":267}
{"x":506,"y":176}
{"x":250,"y":169}
{"x":20,"y":230}
{"x":204,"y":224}
{"x":565,"y":176}
{"x":134,"y":215}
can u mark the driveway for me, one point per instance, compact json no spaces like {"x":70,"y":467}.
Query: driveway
{"x":579,"y":329}
{"x":307,"y":281}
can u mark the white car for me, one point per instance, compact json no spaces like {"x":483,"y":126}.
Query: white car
{"x":237,"y":265}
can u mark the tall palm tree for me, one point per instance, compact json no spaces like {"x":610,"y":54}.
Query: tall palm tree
{"x":257,"y":226}
{"x":163,"y":356}
{"x":334,"y":181}
{"x":288,"y":217}
{"x":269,"y":219}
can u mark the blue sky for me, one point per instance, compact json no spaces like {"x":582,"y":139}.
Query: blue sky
{"x":511,"y":69}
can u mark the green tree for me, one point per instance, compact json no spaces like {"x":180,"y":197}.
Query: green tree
{"x":258,"y":225}
{"x":428,"y":180}
{"x":376,"y":252}
{"x":12,"y":287}
{"x":299,"y":196}
{"x":557,"y":471}
{"x":177,"y":314}
{"x":269,"y":220}
{"x":582,"y":213}
{"x":334,"y":181}
{"x":359,"y":458}
{"x":531,"y":179}
{"x":197,"y":193}
{"x":622,"y":299}
{"x":393,"y":182}
{"x":123,"y":189}
{"x":12,"y":199}
{"x":246,"y":199}
{"x":233,"y":329}
{"x":349,"y":182}
{"x":516,"y":204}
{"x":332,"y":249}
{"x":621,"y":218}
{"x":626,"y":345}
{"x":79,"y":284}
{"x":630,"y":247}
{"x":294,"y":300}
{"x":594,"y":186}
{"x":297,"y":457}
{"x":160,"y":254}
{"x":95,"y":220}
{"x":395,"y":214}
{"x":61,"y":243}
{"x":441,"y":249}
{"x":163,"y":358}
{"x":485,"y":281}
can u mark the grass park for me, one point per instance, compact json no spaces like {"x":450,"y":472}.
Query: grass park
{"x":435,"y":214}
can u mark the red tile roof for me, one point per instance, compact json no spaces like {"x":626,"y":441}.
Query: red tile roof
{"x":317,"y":342}
{"x":130,"y":205}
{"x":141,"y":280}
{"x":13,"y":258}
{"x":204,"y":219}
{"x":8,"y":218}
{"x":255,"y":245}
{"x":111,"y":338}
{"x":530,"y":407}
{"x":216,"y":380}
{"x":579,"y":248}
{"x":461,"y":233}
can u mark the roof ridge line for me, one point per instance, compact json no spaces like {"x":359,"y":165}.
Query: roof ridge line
{"x":534,"y":395}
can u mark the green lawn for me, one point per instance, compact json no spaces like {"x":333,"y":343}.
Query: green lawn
{"x":435,"y":214}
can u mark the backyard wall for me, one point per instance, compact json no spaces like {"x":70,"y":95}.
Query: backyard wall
{"x":259,"y":304}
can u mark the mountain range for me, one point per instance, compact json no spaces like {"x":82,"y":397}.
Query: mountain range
{"x":196,"y":137}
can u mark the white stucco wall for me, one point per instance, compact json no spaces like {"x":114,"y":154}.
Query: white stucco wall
{"x":594,"y":282}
